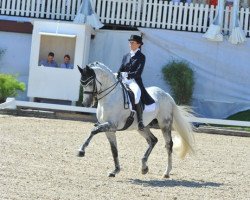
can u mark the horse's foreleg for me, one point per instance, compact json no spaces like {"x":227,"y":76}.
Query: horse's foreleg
{"x":100,"y":128}
{"x":113,"y":144}
{"x":151,"y":140}
{"x":81,"y":151}
{"x":166,"y":130}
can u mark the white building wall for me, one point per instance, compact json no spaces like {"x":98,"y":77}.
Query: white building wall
{"x":221,"y":69}
{"x":16,"y":58}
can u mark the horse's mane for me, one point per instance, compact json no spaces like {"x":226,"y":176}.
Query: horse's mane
{"x":101,"y":69}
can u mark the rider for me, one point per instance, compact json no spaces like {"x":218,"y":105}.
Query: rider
{"x":131,"y":70}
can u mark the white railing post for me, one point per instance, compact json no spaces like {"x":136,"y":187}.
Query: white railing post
{"x":159,"y":16}
{"x":58,"y":10}
{"x":144,"y":12}
{"x":201,"y":12}
{"x":185,"y":20}
{"x":22,"y":9}
{"x":13,"y":7}
{"x":42,"y":6}
{"x":2,"y":8}
{"x":53,"y":9}
{"x":8,"y":8}
{"x":241,"y":17}
{"x":169,"y":19}
{"x":68,"y":6}
{"x":134,"y":4}
{"x":190,"y":17}
{"x":63,"y":9}
{"x":149,"y":13}
{"x":32,"y":8}
{"x":123,"y":12}
{"x":98,"y":8}
{"x":128,"y":12}
{"x":113,"y":11}
{"x":246,"y":24}
{"x":27,"y":10}
{"x":174,"y":22}
{"x":195,"y":21}
{"x":107,"y":16}
{"x":38,"y":6}
{"x":205,"y":21}
{"x":18,"y":7}
{"x":48,"y":11}
{"x":154,"y":14}
{"x":118,"y":13}
{"x":227,"y":19}
{"x":179,"y":20}
{"x":103,"y":9}
{"x":73,"y":9}
{"x":138,"y":12}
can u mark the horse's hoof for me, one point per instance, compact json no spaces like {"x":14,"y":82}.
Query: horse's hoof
{"x":81,"y":154}
{"x":111,"y":175}
{"x":144,"y":171}
{"x":166,"y":176}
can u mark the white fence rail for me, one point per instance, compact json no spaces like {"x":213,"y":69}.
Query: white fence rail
{"x":141,"y":13}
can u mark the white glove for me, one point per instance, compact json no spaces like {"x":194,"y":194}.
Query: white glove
{"x":124,"y":75}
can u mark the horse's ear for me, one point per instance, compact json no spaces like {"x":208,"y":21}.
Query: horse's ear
{"x":80,"y":69}
{"x":88,"y":67}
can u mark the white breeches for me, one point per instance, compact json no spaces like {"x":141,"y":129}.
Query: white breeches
{"x":133,"y":86}
{"x":136,"y":90}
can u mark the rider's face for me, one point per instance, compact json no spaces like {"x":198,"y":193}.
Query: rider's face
{"x":134,"y":45}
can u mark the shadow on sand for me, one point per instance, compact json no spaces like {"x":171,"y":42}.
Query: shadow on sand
{"x":174,"y":183}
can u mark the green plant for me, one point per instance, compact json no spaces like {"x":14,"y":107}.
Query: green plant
{"x":9,"y":85}
{"x":241,"y":116}
{"x":180,"y":77}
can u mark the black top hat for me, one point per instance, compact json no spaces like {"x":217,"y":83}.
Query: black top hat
{"x":136,"y":38}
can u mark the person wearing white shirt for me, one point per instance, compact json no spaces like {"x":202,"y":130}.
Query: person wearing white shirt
{"x":66,"y":62}
{"x":131,"y":70}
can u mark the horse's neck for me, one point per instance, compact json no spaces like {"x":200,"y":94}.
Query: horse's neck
{"x":105,"y":77}
{"x":107,"y":80}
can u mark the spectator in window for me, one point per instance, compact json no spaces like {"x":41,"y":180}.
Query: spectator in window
{"x":66,"y":62}
{"x":50,"y":62}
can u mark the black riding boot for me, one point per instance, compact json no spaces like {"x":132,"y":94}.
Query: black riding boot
{"x":139,"y":111}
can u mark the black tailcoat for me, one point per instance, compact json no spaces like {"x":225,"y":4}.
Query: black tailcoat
{"x":134,"y":67}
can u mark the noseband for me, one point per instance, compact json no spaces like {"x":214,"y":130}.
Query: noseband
{"x":87,"y":82}
{"x":94,"y":92}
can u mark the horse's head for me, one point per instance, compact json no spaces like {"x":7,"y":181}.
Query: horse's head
{"x":89,"y":86}
{"x":98,"y":81}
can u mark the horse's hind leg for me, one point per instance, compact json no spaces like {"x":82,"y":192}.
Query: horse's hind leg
{"x":166,"y":127}
{"x":151,"y":140}
{"x":113,"y":144}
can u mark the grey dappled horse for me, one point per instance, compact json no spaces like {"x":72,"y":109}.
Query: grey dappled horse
{"x":99,"y":82}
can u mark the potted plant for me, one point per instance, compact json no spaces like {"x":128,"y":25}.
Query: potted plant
{"x":9,"y":85}
{"x":180,"y":78}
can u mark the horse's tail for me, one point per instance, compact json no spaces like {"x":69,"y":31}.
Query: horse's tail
{"x":185,"y":143}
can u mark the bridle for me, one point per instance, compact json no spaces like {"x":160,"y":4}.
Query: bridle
{"x":94,"y":92}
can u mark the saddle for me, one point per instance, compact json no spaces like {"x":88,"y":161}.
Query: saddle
{"x":129,"y":97}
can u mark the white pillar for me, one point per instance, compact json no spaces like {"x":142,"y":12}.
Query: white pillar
{"x":214,"y":31}
{"x":237,"y":34}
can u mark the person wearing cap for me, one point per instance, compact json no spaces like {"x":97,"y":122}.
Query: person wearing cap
{"x":131,"y":70}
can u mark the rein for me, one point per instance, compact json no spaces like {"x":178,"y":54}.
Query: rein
{"x":95,"y":92}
